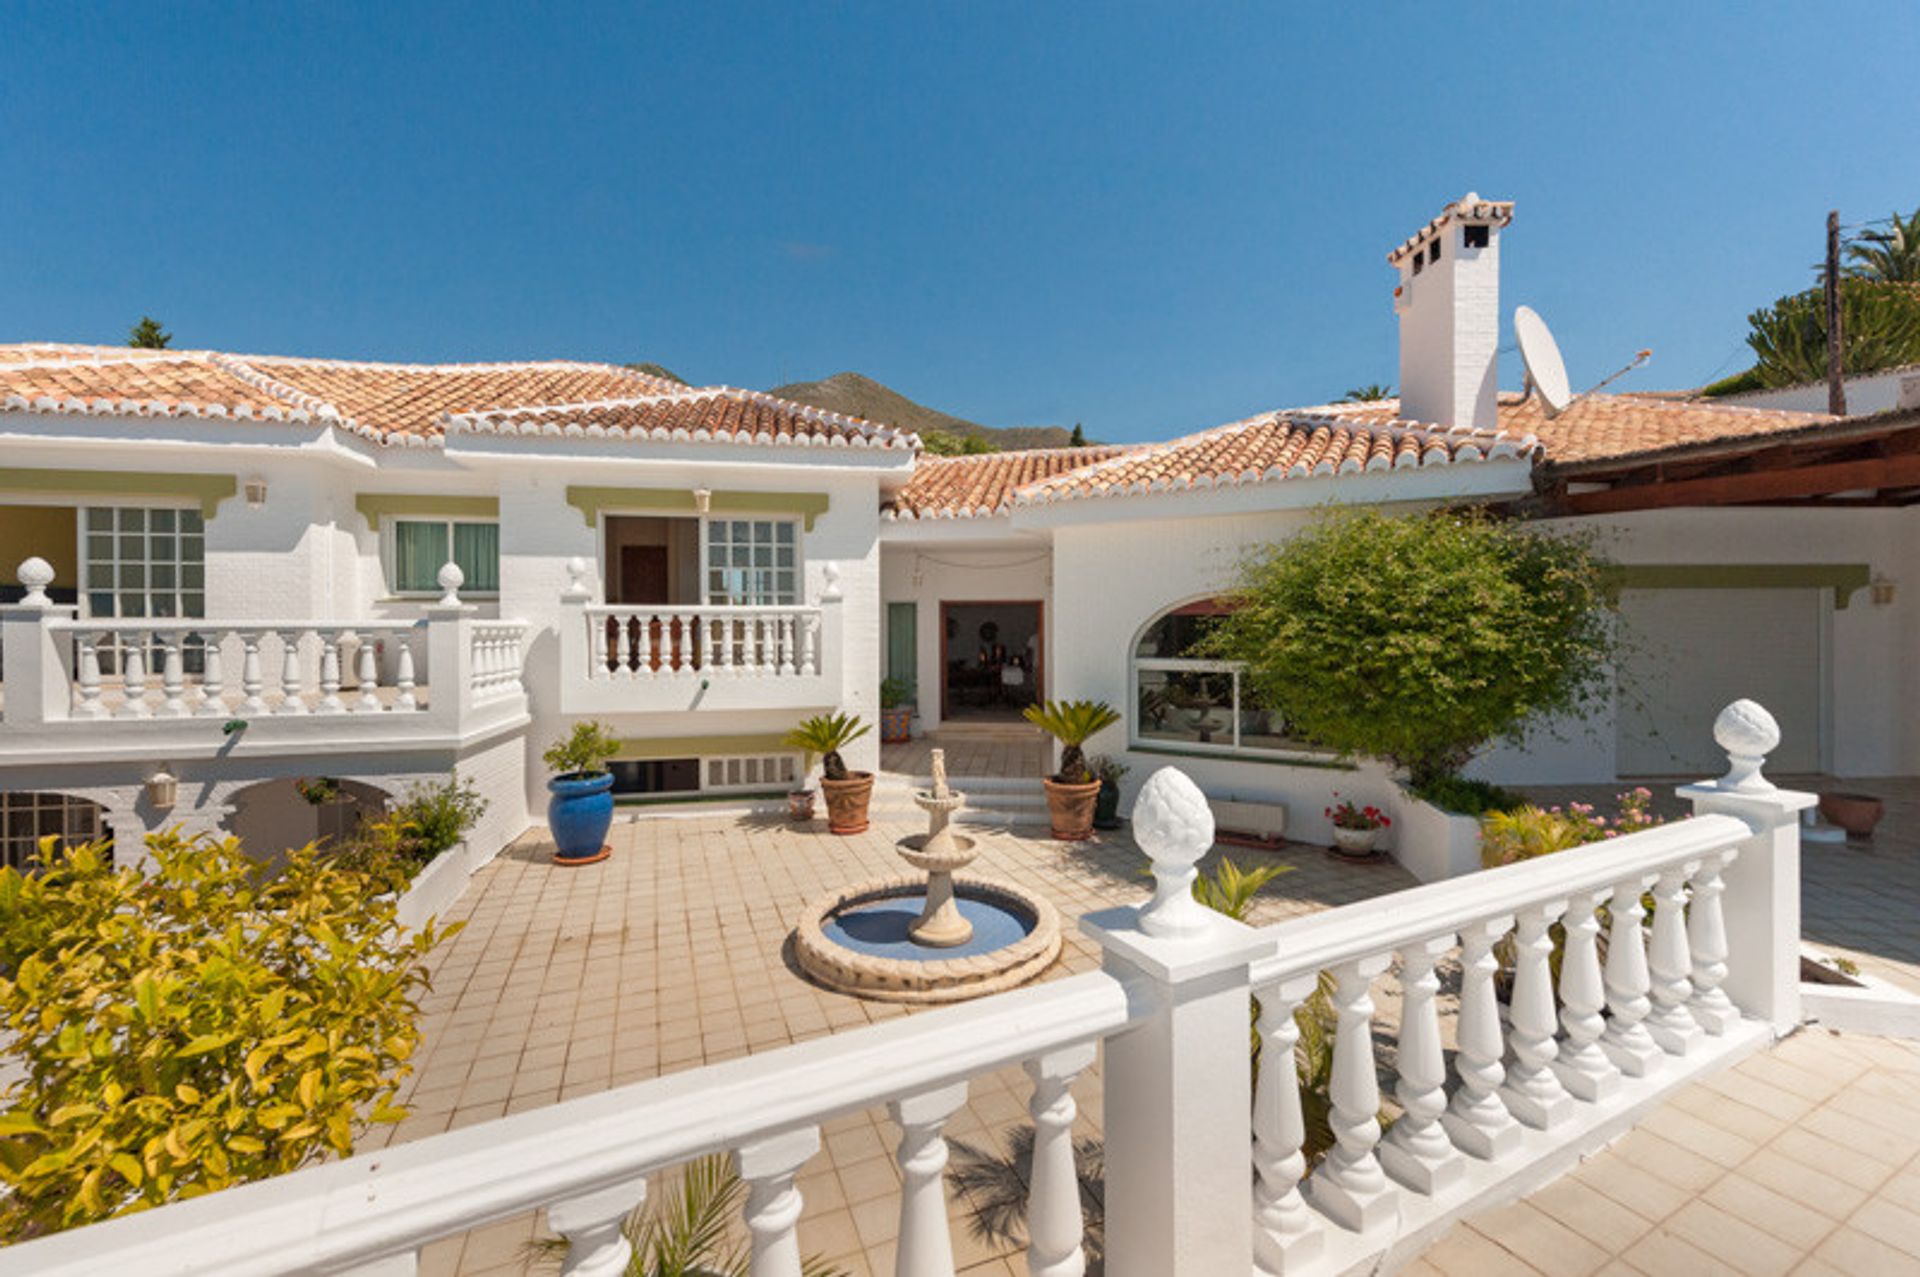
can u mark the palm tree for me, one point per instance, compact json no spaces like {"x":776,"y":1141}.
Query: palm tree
{"x":1368,"y":393}
{"x":1891,"y":255}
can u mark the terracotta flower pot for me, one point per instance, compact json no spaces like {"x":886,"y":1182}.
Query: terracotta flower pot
{"x":847,"y":802}
{"x":800,"y":806}
{"x":1070,"y":808}
{"x":1855,"y":813}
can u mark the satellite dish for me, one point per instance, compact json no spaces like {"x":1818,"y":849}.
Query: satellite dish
{"x":1545,"y":369}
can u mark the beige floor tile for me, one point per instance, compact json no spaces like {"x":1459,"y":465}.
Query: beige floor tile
{"x":1541,"y":1240}
{"x":1464,"y":1252}
{"x":1733,"y":1240}
{"x":1757,"y":1206}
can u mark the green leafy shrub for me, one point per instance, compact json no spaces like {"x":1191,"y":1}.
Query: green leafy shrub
{"x":1527,"y":832}
{"x":584,"y":752}
{"x":1466,"y":797}
{"x":1231,"y":889}
{"x":1879,"y":326}
{"x":894,"y":692}
{"x":440,"y":815}
{"x":824,"y":736}
{"x":194,"y":1027}
{"x":1418,"y":639}
{"x":1072,"y":723}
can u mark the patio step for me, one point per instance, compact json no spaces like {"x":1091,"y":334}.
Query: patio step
{"x":991,"y":800}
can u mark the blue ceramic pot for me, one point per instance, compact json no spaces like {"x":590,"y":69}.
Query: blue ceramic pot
{"x":579,"y":813}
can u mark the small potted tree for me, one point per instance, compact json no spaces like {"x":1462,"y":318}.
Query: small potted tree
{"x":1106,"y":808}
{"x":847,"y":792}
{"x":896,"y":715}
{"x":580,"y":808}
{"x":1074,"y":789}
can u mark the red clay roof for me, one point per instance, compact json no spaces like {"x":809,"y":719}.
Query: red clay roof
{"x":718,"y":413}
{"x":980,"y":485}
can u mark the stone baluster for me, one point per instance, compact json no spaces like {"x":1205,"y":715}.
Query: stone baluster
{"x":88,"y":680}
{"x":133,"y":675}
{"x":702,"y":632}
{"x":403,"y":672}
{"x":680,"y":642}
{"x":330,"y":702}
{"x":925,"y":1247}
{"x":213,"y":677}
{"x":1284,"y":1235}
{"x":806,"y":640}
{"x":597,"y":1246}
{"x":252,"y":680}
{"x":1476,"y":1119}
{"x":292,"y":700}
{"x":173,"y":675}
{"x":1055,"y":1226}
{"x":367,"y":670}
{"x":1417,"y":1151}
{"x":788,"y":624}
{"x":1626,"y":1040}
{"x":773,"y":1203}
{"x":1583,"y":1068}
{"x":1707,"y":937}
{"x":1533,"y":1092}
{"x":646,"y":652}
{"x":1670,"y":1022}
{"x":1349,"y":1186}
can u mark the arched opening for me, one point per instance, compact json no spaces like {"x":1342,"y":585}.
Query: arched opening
{"x":1185,"y":701}
{"x":276,"y":816}
{"x":26,"y":818}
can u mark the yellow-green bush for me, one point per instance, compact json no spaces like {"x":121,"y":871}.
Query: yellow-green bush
{"x":193,"y":1027}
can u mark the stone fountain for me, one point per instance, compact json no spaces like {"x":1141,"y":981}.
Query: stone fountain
{"x":932,"y":936}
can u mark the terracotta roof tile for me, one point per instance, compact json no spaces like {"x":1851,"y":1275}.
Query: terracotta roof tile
{"x":188,"y":385}
{"x":697,"y":414}
{"x":982,"y":485}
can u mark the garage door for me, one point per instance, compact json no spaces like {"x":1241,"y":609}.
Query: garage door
{"x":1694,"y":651}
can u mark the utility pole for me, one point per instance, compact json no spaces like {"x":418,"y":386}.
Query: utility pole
{"x":1836,"y":386}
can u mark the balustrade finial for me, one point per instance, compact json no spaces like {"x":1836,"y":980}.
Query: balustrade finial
{"x":1174,"y":825}
{"x":451,"y":579}
{"x":830,"y":582}
{"x":1748,"y":733}
{"x":36,"y":574}
{"x":577,"y":590}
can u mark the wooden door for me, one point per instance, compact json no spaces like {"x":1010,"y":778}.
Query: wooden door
{"x":643,"y":581}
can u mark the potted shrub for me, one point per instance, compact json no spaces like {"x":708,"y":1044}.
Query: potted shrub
{"x":580,"y":809}
{"x":1074,"y":789}
{"x":1106,"y":808}
{"x":896,"y":715}
{"x":318,"y":791}
{"x":847,"y":792}
{"x":1356,"y":829}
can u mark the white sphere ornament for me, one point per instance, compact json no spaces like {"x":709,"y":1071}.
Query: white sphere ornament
{"x":1173,"y":824}
{"x":1748,"y":733}
{"x":451,"y":579}
{"x":36,"y":574}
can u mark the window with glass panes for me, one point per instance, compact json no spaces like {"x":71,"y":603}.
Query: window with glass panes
{"x":421,"y":547}
{"x":145,"y":563}
{"x":26,"y":818}
{"x":752,"y":562}
{"x":1190,"y":702}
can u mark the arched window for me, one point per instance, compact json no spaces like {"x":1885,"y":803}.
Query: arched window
{"x":1185,"y":702}
{"x":26,"y":818}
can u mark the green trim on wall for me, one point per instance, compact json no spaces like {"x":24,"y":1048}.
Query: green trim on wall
{"x":375,"y":505}
{"x":1842,"y":578}
{"x":702,"y":746}
{"x":208,"y":489}
{"x":590,"y":501}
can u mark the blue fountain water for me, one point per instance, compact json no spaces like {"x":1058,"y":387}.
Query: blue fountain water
{"x":880,"y":928}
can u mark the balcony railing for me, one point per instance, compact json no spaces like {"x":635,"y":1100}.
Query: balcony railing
{"x":1714,"y":975}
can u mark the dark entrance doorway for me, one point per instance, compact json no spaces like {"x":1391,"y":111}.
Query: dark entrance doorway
{"x":992,"y":659}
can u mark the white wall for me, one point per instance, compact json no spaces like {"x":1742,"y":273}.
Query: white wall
{"x":1866,"y":392}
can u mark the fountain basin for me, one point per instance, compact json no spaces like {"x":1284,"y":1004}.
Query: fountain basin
{"x":857,"y":941}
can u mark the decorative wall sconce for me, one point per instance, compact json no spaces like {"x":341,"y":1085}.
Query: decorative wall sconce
{"x":702,"y":499}
{"x":256,"y":492}
{"x":1880,"y":589}
{"x":163,"y":788}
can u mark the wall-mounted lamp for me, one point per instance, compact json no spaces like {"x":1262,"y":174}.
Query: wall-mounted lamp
{"x":256,"y":492}
{"x":1880,"y":589}
{"x":702,"y":499}
{"x":163,"y":788}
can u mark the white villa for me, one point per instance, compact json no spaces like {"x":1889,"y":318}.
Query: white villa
{"x":238,"y":571}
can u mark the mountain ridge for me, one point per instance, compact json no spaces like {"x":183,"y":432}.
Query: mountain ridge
{"x":858,"y":395}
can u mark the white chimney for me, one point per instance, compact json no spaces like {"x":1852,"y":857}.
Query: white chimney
{"x":1448,"y":301}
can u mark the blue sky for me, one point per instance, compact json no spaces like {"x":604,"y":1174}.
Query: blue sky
{"x":1150,"y":219}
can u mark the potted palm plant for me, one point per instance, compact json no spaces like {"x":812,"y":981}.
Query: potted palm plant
{"x":1074,"y":789}
{"x":580,"y":806}
{"x":847,"y":792}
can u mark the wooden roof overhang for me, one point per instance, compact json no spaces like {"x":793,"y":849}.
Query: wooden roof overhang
{"x":1861,"y":462}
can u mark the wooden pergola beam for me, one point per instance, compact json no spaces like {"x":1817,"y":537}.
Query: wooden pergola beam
{"x":1753,"y":487}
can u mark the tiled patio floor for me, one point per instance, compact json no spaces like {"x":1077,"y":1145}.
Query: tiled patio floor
{"x":1001,"y":750}
{"x":1804,"y":1159}
{"x":670,"y":955}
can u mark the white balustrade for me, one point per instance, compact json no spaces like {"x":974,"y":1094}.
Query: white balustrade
{"x":496,"y":660}
{"x":926,"y":1244}
{"x":643,"y":643}
{"x":1583,"y":1068}
{"x":1350,"y":1185}
{"x":1533,"y":1093}
{"x":773,"y":1203}
{"x":1417,"y":1151}
{"x":1055,"y":1224}
{"x":1476,"y":1117}
{"x":1707,"y":936}
{"x":1670,"y":1022}
{"x":1286,"y":1234}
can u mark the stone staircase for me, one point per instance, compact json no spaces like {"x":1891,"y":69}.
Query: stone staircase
{"x":991,"y":800}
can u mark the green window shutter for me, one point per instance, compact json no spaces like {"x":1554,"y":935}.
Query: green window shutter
{"x":903,"y":643}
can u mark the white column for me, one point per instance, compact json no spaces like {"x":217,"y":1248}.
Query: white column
{"x":1626,"y":1040}
{"x":1417,"y":1151}
{"x":1349,"y":1186}
{"x":1055,"y":1227}
{"x":252,"y":679}
{"x":1477,"y":1120}
{"x":38,"y":659}
{"x":1284,"y":1234}
{"x":1178,"y":1083}
{"x":403,"y":672}
{"x":290,"y":674}
{"x":1671,"y":963}
{"x":367,"y":671}
{"x":173,"y":676}
{"x":773,"y":1203}
{"x":1583,"y":1068}
{"x":330,"y":702}
{"x":1532,"y":1092}
{"x":1707,"y":938}
{"x":133,"y":675}
{"x":88,"y":679}
{"x":926,"y":1246}
{"x":213,"y":678}
{"x":591,"y":1223}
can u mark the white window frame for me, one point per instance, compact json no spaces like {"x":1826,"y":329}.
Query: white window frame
{"x":799,"y":558}
{"x":84,"y":558}
{"x":702,"y":522}
{"x":780,"y":770}
{"x":389,"y":567}
{"x":81,"y":820}
{"x":1235,"y":671}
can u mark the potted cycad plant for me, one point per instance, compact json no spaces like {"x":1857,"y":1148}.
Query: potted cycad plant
{"x":1074,"y":789}
{"x":580,"y":806}
{"x":847,"y":792}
